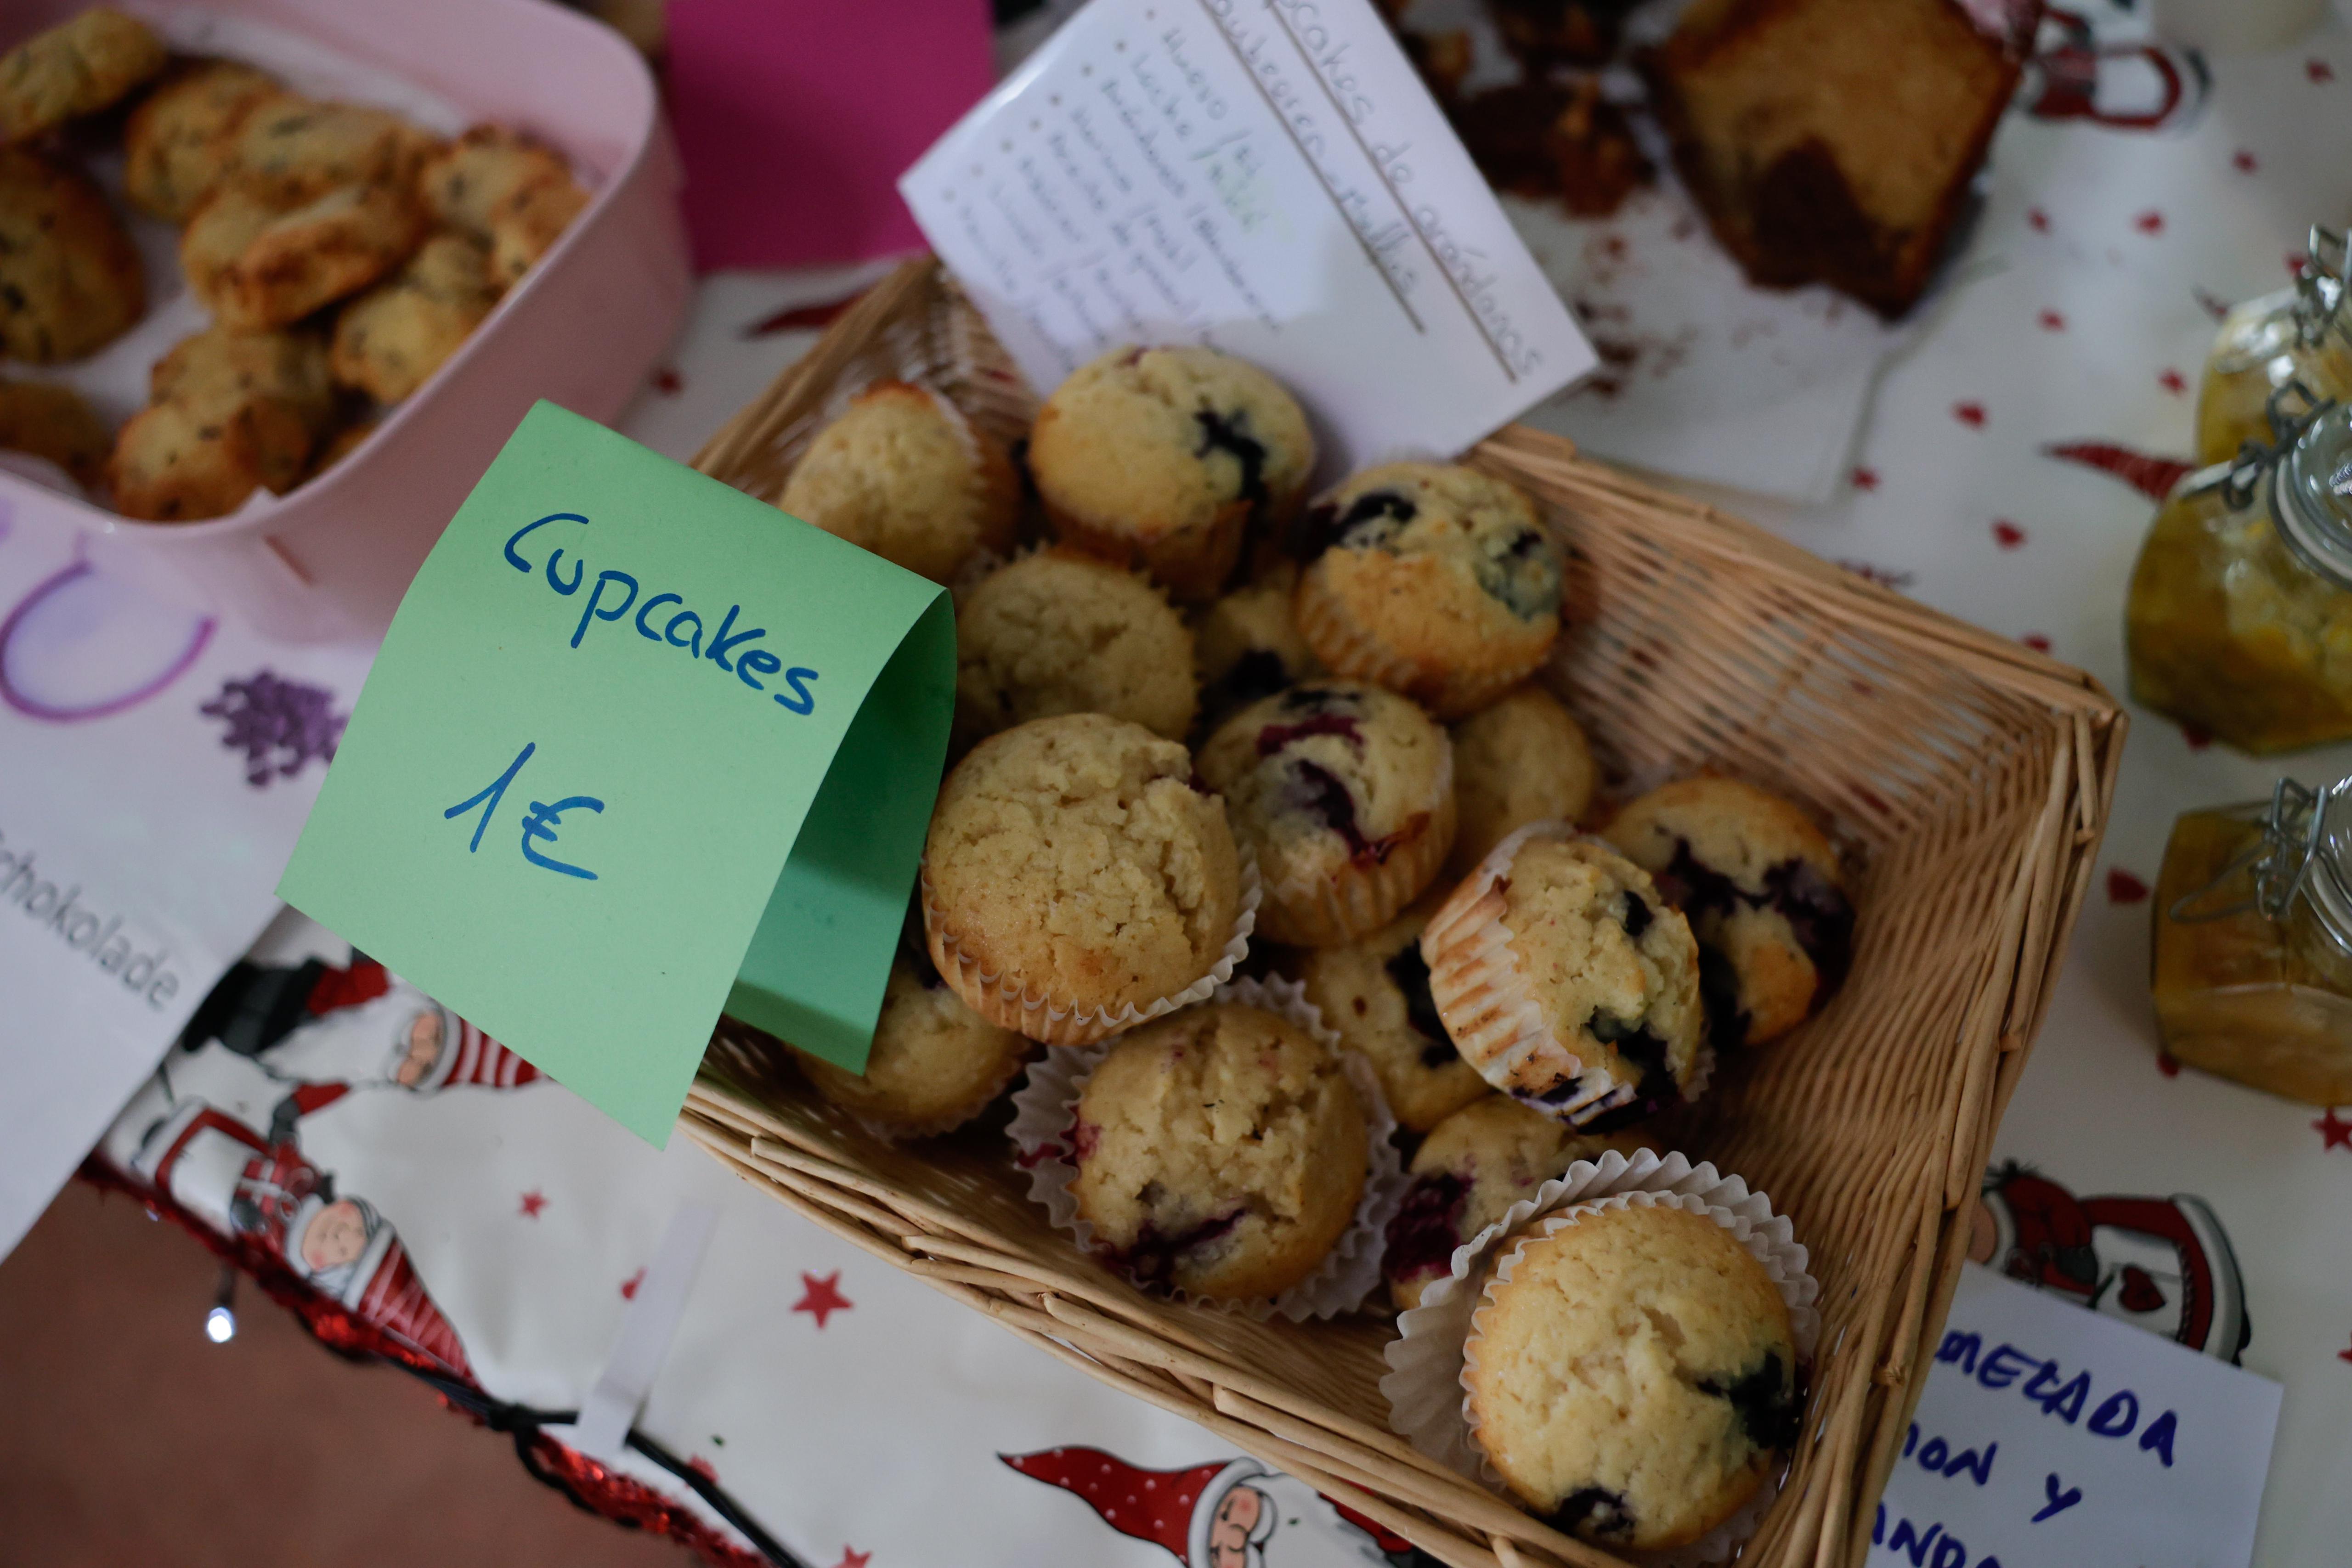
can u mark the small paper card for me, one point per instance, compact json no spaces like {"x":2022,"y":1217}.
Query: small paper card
{"x":1269,"y":179}
{"x":2049,"y":1433}
{"x":637,"y":748}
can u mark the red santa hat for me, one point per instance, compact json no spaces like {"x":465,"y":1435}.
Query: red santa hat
{"x":395,"y":1301}
{"x":1171,"y":1508}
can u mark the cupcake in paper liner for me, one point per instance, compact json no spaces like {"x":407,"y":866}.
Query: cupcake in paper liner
{"x":1076,"y":882}
{"x":903,"y":473}
{"x":1684,"y":1306}
{"x":1230,"y":1156}
{"x":935,"y":1063}
{"x":1058,"y":630}
{"x":1569,"y":982}
{"x":1431,"y":579}
{"x":1345,"y":793}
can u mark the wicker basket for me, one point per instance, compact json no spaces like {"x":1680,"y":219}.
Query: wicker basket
{"x":1968,"y":776}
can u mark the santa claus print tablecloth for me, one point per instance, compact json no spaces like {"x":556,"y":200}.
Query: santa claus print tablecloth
{"x":403,"y":1165}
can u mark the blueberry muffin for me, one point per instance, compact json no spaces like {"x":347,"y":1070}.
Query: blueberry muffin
{"x":290,"y":149}
{"x":1346,"y":793}
{"x":1061,"y":632}
{"x":1246,"y":646}
{"x":390,"y":339}
{"x":1431,"y":579}
{"x":70,"y":281}
{"x":74,"y":68}
{"x":175,"y":462}
{"x":55,"y":423}
{"x":1566,"y":978}
{"x":1475,"y":1164}
{"x":256,"y":265}
{"x":1762,"y":890}
{"x":1169,"y":458}
{"x":182,"y":139}
{"x":1375,"y":993}
{"x":1634,"y":1379}
{"x":1076,"y":882}
{"x":1220,"y":1152}
{"x":1522,"y":760}
{"x":935,"y":1063}
{"x":219,"y":370}
{"x":904,"y":474}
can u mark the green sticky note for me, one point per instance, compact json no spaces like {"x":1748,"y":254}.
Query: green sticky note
{"x":638,"y":748}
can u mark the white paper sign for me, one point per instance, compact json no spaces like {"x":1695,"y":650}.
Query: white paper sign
{"x":2054,"y":1435}
{"x":1266,"y":176}
{"x":140,"y":835}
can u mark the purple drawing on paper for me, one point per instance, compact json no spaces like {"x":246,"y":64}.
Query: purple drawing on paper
{"x":279,"y":725}
{"x":82,"y":647}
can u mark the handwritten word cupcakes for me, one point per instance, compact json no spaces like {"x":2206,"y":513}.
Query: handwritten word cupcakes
{"x":1763,"y":892}
{"x":1169,"y":457}
{"x":904,"y":474}
{"x":1346,"y":793}
{"x":1062,"y":632}
{"x":1567,"y":980}
{"x":1076,"y":882}
{"x":1433,"y":580}
{"x":1632,"y":1374}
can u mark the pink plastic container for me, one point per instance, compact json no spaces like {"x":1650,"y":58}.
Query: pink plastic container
{"x":330,"y":560}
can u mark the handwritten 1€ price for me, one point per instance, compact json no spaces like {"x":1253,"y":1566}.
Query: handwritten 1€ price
{"x":538,"y":823}
{"x":616,"y":591}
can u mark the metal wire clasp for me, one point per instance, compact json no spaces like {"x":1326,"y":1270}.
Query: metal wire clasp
{"x":2287,"y":425}
{"x":2280,"y":861}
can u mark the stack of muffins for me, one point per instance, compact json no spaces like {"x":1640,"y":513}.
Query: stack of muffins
{"x":1204,"y":724}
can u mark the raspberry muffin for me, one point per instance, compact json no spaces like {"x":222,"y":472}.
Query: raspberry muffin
{"x":1246,"y":646}
{"x":1375,"y":993}
{"x":904,"y":474}
{"x":1220,"y":1152}
{"x":1060,"y":631}
{"x":179,"y":141}
{"x":390,"y":339}
{"x":1169,"y":458}
{"x":1475,"y":1164}
{"x":1566,"y":978}
{"x":1631,"y":1376}
{"x":1075,"y":882}
{"x":1761,"y":888}
{"x":70,"y":279}
{"x":935,"y":1064}
{"x":1431,"y":579}
{"x":1522,"y":760}
{"x":76,"y":68}
{"x":1346,"y":793}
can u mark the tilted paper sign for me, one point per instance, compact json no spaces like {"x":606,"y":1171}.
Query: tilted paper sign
{"x":1267,"y":177}
{"x":638,"y":747}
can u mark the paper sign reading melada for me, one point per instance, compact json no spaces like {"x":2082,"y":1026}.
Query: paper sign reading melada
{"x":638,"y":748}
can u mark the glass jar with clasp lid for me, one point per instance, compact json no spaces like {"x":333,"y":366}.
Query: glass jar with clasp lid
{"x":2239,"y":616}
{"x":2251,"y":971}
{"x":2299,"y":334}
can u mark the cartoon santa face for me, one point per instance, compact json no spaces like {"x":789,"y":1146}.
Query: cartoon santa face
{"x":335,"y":1236}
{"x":1238,"y":1514}
{"x":1240,"y":1528}
{"x":418,"y":1050}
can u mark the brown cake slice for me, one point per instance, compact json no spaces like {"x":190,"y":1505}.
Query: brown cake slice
{"x":1833,"y":140}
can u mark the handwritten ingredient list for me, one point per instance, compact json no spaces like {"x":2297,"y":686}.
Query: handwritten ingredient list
{"x":2051,"y":1434}
{"x":1268,"y":177}
{"x":637,"y":748}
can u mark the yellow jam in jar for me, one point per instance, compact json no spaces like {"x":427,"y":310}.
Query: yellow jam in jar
{"x":2265,"y":1001}
{"x":2227,"y":629}
{"x":2262,"y":345}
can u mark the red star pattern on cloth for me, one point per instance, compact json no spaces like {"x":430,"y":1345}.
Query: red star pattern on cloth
{"x":2150,"y":222}
{"x":2125,"y":888}
{"x":2168,"y":1064}
{"x":2051,"y":321}
{"x":2006,"y":534}
{"x":2244,"y":162}
{"x":2344,"y":1354}
{"x":2036,"y":641}
{"x":703,"y":1468}
{"x":852,"y":1558}
{"x":822,"y":1297}
{"x":2335,"y":1132}
{"x":629,"y":1286}
{"x":2198,"y":737}
{"x":668,"y":381}
{"x":2319,"y":70}
{"x":1971,"y":414}
{"x":533,"y":1202}
{"x":1865,"y":478}
{"x":2171,"y":380}
{"x":2037,"y":220}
